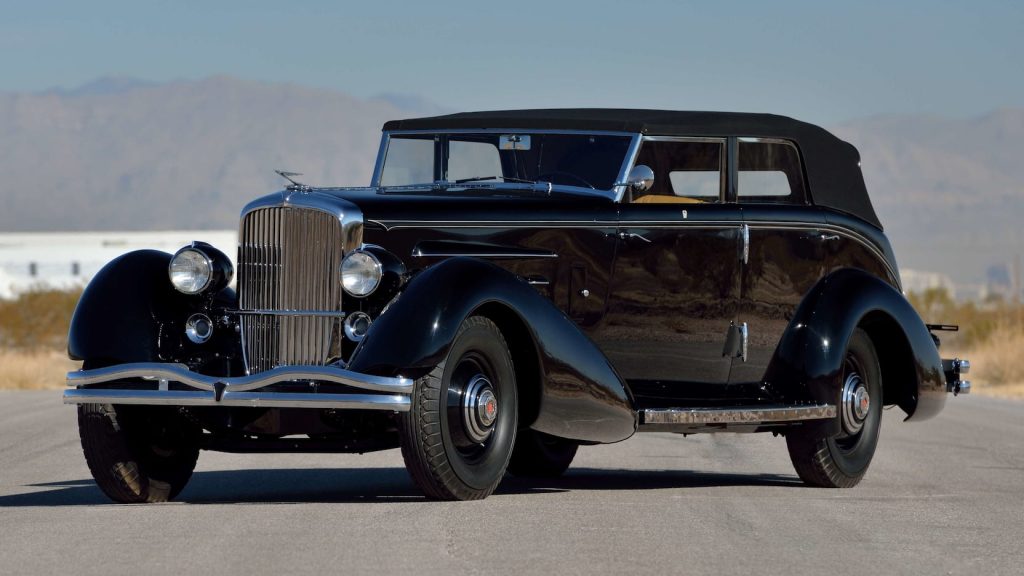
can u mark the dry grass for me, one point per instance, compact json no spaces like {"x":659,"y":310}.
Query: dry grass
{"x":34,"y":369}
{"x":997,"y":368}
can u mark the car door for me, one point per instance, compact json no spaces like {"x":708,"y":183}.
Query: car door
{"x":674,"y":287}
{"x":784,"y":257}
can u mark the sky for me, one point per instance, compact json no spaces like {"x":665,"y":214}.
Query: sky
{"x":825,"y":62}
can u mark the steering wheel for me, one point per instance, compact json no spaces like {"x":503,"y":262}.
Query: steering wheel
{"x":569,"y":175}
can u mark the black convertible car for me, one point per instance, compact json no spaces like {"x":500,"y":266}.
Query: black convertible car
{"x":513,"y":285}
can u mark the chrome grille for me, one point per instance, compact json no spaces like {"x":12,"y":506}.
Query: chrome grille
{"x":289,"y":288}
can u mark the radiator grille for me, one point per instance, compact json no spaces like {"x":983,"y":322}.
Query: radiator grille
{"x":289,"y":286}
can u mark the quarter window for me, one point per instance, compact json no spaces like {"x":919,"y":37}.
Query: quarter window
{"x":769,"y":171}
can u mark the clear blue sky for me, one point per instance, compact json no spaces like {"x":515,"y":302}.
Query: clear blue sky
{"x":820,"y":61}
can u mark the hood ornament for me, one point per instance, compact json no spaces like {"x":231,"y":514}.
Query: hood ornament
{"x":295,"y":185}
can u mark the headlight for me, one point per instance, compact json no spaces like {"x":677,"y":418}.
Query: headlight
{"x":191,"y":271}
{"x":198,"y":268}
{"x":360,"y":273}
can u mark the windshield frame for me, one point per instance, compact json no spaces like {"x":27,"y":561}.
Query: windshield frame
{"x":614,"y":193}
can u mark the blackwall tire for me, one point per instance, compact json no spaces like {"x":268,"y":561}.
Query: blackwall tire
{"x":138,"y":454}
{"x":841,"y":460}
{"x":452,"y":447}
{"x":537,"y":455}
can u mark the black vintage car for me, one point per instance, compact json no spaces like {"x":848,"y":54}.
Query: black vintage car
{"x":513,"y":285}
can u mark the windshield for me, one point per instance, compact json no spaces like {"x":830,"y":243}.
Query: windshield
{"x":579,"y":160}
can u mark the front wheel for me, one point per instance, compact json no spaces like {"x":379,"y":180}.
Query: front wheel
{"x":138,"y":453}
{"x":458,"y":434}
{"x":840,"y":460}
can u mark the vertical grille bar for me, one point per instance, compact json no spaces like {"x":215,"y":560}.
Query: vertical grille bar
{"x":289,"y":261}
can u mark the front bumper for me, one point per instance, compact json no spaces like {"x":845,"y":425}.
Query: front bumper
{"x":151,"y":386}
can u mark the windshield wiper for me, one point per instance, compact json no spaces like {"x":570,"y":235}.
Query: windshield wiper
{"x":502,"y":178}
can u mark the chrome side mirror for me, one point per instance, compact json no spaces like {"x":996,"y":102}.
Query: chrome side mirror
{"x":640,"y":178}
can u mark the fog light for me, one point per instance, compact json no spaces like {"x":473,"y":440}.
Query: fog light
{"x":356,"y":325}
{"x":199,"y":328}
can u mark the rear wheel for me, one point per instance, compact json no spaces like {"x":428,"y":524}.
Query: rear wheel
{"x":538,"y":455}
{"x":138,"y":454}
{"x":840,"y":460}
{"x":458,"y":434}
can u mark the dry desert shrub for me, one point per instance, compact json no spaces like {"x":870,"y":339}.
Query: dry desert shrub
{"x":34,"y":369}
{"x":997,"y":361}
{"x":37,"y":319}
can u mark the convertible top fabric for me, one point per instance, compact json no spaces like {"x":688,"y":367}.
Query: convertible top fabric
{"x":832,"y":165}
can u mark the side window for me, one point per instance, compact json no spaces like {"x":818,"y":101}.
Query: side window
{"x":769,"y":171}
{"x":684,"y":172}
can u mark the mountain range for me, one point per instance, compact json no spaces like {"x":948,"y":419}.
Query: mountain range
{"x":126,"y":154}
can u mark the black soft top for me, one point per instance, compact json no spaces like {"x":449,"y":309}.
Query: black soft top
{"x":832,"y":165}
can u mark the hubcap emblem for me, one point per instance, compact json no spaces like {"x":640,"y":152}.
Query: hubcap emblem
{"x":479,"y":409}
{"x":856,"y":404}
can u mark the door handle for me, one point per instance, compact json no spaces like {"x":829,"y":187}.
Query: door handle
{"x":827,"y":237}
{"x":628,"y":235}
{"x":745,"y":233}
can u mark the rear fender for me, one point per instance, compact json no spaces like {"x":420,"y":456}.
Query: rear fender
{"x":578,"y":394}
{"x":809,"y":360}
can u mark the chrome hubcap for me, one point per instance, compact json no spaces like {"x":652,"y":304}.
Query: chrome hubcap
{"x":479,"y":409}
{"x":856,"y":403}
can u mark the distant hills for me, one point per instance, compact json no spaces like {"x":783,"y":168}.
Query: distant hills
{"x":125,"y":154}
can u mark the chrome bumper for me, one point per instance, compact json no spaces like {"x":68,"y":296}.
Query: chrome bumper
{"x":243,"y":391}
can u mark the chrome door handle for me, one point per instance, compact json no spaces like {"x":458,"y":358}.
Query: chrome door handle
{"x":829,"y":237}
{"x":628,"y":235}
{"x":745,"y":232}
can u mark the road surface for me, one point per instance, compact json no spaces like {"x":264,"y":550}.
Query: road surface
{"x":942,"y":497}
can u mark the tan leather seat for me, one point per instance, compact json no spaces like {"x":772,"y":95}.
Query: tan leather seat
{"x":665,"y":199}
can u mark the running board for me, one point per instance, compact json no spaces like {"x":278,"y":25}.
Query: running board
{"x":739,"y":417}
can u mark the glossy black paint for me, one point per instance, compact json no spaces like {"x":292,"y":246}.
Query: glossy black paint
{"x":578,"y":394}
{"x":807,"y":364}
{"x":674,"y":295}
{"x":130,"y":312}
{"x":118,"y":318}
{"x":786,"y":259}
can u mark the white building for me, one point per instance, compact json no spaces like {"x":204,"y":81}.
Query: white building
{"x":918,"y":281}
{"x":69,"y":259}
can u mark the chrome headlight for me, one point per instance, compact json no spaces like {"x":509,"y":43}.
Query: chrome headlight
{"x":199,"y":267}
{"x":360,"y":273}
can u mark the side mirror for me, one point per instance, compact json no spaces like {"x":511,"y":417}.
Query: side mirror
{"x":640,"y":178}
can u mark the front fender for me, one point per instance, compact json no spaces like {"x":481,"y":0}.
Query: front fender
{"x":808,"y":362}
{"x":118,"y":317}
{"x":581,"y":397}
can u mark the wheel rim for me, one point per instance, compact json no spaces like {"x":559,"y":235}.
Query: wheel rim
{"x":856,"y":403}
{"x":472,"y":407}
{"x":856,"y":406}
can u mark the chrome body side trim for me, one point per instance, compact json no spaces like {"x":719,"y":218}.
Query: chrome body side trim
{"x":180,"y":373}
{"x":665,"y":419}
{"x":239,"y":399}
{"x":421,"y":253}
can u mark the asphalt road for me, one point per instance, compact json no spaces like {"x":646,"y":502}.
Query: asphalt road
{"x":942,"y":497}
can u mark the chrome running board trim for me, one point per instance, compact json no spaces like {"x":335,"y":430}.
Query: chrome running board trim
{"x":670,"y":418}
{"x":238,"y":399}
{"x":180,"y":373}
